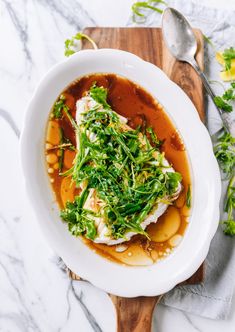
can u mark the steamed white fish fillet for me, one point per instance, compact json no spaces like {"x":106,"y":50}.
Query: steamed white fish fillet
{"x":95,"y":204}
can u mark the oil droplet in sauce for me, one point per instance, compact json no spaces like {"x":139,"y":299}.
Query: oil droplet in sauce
{"x":166,"y":226}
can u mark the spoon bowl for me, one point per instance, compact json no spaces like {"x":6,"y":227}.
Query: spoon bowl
{"x":178,"y":35}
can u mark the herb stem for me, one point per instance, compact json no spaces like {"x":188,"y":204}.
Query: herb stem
{"x":61,"y":146}
{"x":61,"y":156}
{"x":94,"y":45}
{"x":188,"y":197}
{"x":138,"y":6}
{"x":229,"y":207}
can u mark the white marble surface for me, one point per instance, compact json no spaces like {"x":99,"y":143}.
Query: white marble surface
{"x":35,"y":292}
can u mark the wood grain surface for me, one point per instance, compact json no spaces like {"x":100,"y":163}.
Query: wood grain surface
{"x":135,"y":314}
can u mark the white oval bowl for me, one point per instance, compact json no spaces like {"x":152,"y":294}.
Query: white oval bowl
{"x":109,"y":276}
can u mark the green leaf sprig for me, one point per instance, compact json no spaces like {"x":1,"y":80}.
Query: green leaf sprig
{"x":225,"y":154}
{"x":138,"y":7}
{"x":99,"y":95}
{"x":224,"y":102}
{"x":73,"y":45}
{"x":59,"y":107}
{"x":229,"y":224}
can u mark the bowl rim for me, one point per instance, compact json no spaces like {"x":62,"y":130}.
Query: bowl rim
{"x":125,"y":58}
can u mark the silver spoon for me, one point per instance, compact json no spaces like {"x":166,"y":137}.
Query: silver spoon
{"x":181,"y":42}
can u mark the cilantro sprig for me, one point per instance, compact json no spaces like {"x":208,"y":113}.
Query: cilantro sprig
{"x":99,"y":95}
{"x":59,"y":107}
{"x":73,"y":45}
{"x":78,"y":219}
{"x":224,"y":102}
{"x":229,"y":224}
{"x":225,"y":154}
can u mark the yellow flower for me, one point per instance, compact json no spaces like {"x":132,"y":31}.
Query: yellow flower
{"x":226,"y":75}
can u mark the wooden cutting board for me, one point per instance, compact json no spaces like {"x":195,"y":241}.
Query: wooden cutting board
{"x":135,"y":314}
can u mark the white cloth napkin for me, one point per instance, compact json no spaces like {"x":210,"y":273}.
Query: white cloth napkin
{"x":212,"y":298}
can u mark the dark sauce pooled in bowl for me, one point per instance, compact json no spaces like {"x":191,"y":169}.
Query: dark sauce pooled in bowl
{"x":141,"y":109}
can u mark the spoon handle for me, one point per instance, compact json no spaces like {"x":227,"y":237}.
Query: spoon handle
{"x":228,"y":121}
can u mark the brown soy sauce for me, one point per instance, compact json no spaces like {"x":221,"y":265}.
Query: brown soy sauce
{"x":140,"y":108}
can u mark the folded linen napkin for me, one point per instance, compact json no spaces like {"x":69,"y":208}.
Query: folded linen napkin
{"x":213,"y":297}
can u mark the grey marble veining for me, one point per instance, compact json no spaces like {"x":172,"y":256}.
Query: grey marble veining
{"x":71,"y":11}
{"x":20,"y":25}
{"x":7,"y":117}
{"x":35,"y":291}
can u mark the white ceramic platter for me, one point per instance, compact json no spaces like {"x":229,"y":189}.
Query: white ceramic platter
{"x":109,"y":276}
